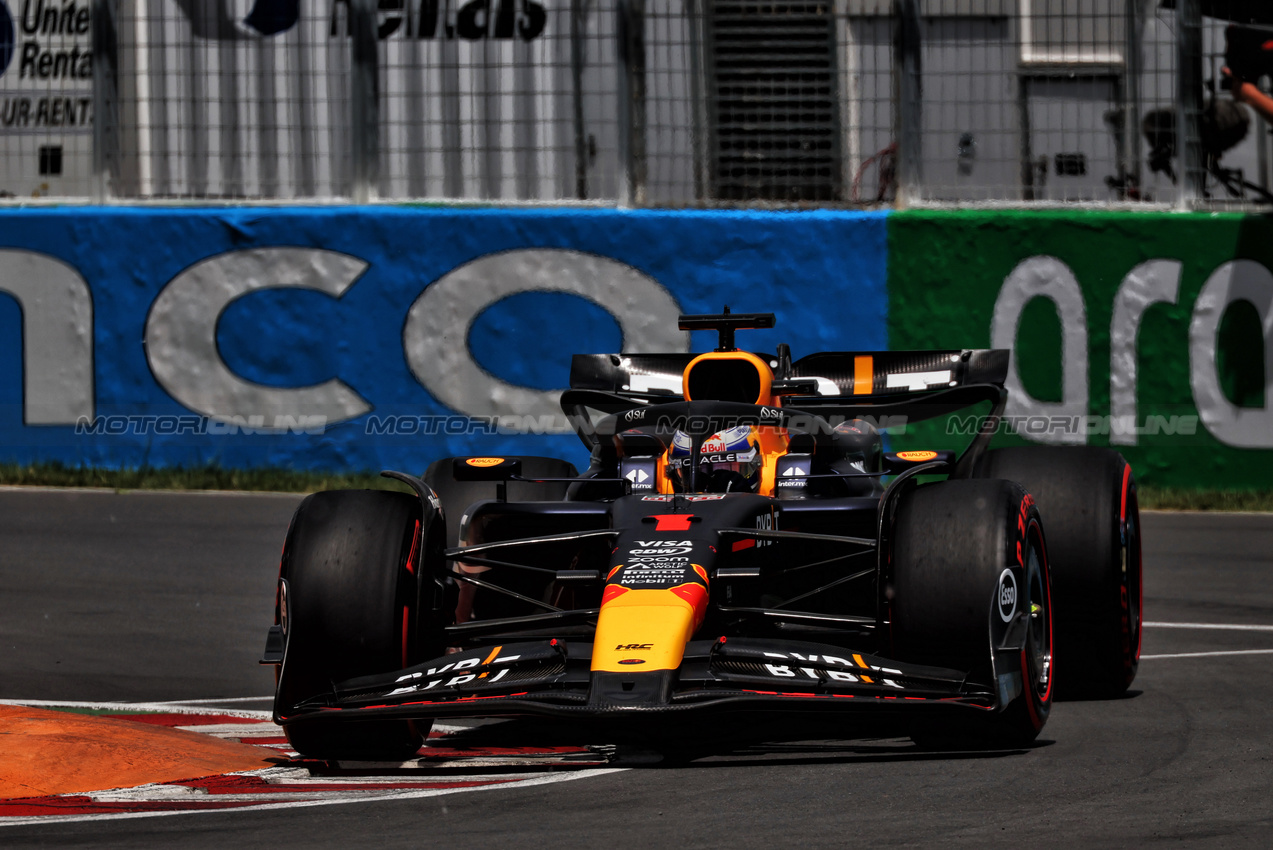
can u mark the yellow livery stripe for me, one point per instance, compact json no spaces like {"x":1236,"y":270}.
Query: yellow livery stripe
{"x":643,"y":630}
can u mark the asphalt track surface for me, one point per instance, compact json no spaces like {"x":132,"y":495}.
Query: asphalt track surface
{"x":160,"y":597}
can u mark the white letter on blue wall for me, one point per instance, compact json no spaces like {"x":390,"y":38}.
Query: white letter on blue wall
{"x":57,"y":336}
{"x":181,"y":331}
{"x":438,"y":323}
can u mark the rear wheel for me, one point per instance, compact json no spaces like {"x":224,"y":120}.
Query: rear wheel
{"x":1087,"y":496}
{"x":970,"y":573}
{"x":350,"y":604}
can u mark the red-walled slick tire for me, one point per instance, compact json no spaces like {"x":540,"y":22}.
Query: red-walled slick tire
{"x":1087,"y":497}
{"x":969,"y":574}
{"x":351,"y":607}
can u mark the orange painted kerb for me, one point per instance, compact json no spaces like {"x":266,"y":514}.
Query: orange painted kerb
{"x":56,"y":752}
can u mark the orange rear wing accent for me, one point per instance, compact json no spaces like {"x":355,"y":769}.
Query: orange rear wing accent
{"x":884,"y":373}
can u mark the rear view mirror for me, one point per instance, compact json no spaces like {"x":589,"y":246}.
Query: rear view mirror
{"x":895,"y":463}
{"x":486,"y":468}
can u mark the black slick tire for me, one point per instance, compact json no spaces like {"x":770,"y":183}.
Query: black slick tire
{"x":351,"y":607}
{"x":1087,"y":497}
{"x":970,"y":572}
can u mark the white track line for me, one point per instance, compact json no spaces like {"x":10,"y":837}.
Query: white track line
{"x":213,"y":701}
{"x":182,"y":708}
{"x":512,"y":780}
{"x":143,"y":491}
{"x":158,"y":707}
{"x":1227,"y":626}
{"x":362,"y":798}
{"x":1208,"y":654}
{"x":1233,"y":627}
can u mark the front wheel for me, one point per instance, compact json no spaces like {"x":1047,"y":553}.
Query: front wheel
{"x":1088,"y":499}
{"x":350,"y":605}
{"x":970,"y":591}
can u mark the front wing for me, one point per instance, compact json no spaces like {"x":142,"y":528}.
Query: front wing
{"x":554,"y":677}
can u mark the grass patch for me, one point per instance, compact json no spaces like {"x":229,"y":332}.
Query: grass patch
{"x":276,"y":480}
{"x":1182,"y":499}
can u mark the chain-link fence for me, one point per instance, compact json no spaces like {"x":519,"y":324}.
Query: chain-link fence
{"x":641,"y":102}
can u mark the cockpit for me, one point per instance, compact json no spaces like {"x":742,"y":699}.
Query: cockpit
{"x":742,"y":452}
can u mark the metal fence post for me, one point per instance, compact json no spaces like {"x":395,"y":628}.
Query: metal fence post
{"x":1129,"y":133}
{"x":105,"y":98}
{"x":364,"y":101}
{"x":631,"y":35}
{"x":908,"y":95}
{"x":1189,"y":102}
{"x":577,"y":48}
{"x":700,"y":133}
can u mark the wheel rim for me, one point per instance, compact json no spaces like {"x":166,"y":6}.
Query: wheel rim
{"x":1131,"y":576}
{"x":1038,"y":650}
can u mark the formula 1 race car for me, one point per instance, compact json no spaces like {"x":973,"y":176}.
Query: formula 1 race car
{"x":731,"y":547}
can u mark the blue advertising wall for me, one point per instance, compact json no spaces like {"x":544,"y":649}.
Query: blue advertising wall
{"x":348,"y":338}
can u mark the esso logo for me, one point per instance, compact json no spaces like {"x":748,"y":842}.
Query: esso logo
{"x":916,"y":457}
{"x":484,"y":461}
{"x":1007,"y":595}
{"x":282,"y":605}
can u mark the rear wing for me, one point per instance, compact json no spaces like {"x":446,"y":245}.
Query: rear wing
{"x":853,"y":375}
{"x":642,"y":374}
{"x":882,"y":373}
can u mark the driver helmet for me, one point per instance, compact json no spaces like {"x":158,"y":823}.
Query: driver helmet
{"x":729,"y":462}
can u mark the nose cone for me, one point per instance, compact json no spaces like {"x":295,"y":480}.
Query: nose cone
{"x":640,"y":641}
{"x":641,"y":631}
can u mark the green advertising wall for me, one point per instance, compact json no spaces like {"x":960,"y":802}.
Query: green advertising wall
{"x":1144,"y":332}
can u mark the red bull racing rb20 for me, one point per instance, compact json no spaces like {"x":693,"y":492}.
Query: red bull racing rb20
{"x":740,"y":542}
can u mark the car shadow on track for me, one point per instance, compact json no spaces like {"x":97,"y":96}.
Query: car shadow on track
{"x":736,"y":742}
{"x":1129,"y":694}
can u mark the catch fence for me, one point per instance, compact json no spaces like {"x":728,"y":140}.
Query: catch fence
{"x":633,"y":102}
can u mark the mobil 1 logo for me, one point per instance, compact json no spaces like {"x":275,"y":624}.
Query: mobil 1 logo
{"x":656,"y":564}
